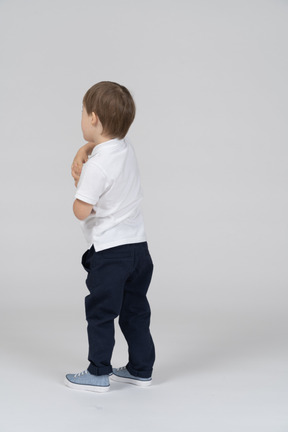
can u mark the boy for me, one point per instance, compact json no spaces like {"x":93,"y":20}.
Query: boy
{"x":118,"y":263}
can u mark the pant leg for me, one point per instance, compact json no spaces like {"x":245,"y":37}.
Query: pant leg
{"x":134,"y":319}
{"x":107,"y":273}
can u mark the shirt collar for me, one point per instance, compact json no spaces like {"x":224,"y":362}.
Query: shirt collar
{"x":107,"y":144}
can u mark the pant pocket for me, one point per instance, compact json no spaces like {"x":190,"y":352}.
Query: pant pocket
{"x":85,"y":258}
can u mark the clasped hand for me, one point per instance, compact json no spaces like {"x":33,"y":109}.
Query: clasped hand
{"x":78,"y":161}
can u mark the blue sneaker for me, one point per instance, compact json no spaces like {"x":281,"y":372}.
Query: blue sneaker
{"x":86,"y":381}
{"x":122,"y":375}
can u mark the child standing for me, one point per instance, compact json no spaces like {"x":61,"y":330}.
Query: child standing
{"x":118,"y":263}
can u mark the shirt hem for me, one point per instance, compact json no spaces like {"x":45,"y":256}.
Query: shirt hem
{"x":99,"y":247}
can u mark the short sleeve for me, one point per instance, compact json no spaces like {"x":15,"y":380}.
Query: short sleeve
{"x":92,"y":183}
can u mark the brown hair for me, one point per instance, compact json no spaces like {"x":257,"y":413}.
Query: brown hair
{"x":114,"y":106}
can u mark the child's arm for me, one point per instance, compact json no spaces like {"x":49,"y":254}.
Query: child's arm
{"x":82,"y":209}
{"x":80,"y":158}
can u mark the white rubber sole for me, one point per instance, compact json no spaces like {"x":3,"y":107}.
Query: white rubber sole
{"x":92,"y":388}
{"x":131,"y":381}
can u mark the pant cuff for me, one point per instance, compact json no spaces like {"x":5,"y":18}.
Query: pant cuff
{"x":140,"y":374}
{"x":103,"y":370}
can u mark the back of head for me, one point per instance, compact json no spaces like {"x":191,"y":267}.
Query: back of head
{"x":114,"y":106}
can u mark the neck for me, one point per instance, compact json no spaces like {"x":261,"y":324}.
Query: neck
{"x":100,"y":139}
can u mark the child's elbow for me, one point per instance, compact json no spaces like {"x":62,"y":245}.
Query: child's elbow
{"x":81,"y":209}
{"x":77,"y":213}
{"x":79,"y":216}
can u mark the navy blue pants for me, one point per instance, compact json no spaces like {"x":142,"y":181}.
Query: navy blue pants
{"x":118,"y":279}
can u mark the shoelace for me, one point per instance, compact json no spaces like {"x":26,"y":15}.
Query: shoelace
{"x":80,"y":373}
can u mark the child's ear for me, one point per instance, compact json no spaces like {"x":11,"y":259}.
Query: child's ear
{"x":94,"y":119}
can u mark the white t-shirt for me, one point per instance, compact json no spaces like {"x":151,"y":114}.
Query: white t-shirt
{"x":110,"y":181}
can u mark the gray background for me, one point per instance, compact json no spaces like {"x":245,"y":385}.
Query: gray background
{"x":210,"y":83}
